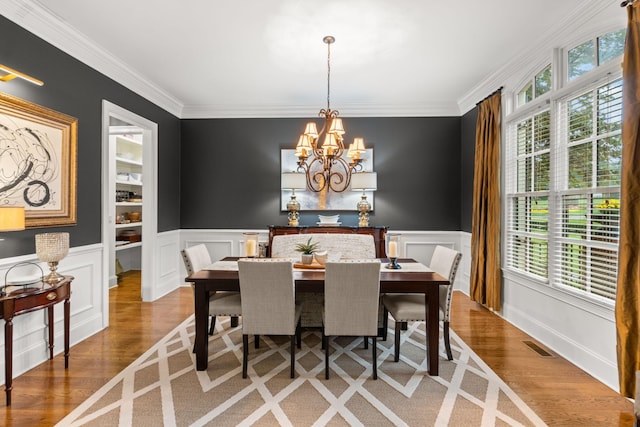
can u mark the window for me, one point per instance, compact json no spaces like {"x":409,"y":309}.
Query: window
{"x":562,"y":176}
{"x":589,"y":190}
{"x":529,"y":204}
{"x":586,"y":56}
{"x":540,"y":85}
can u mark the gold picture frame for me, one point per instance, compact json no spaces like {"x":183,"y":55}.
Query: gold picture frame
{"x":38,"y":162}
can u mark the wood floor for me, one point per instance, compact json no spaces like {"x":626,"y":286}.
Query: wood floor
{"x":560,"y":393}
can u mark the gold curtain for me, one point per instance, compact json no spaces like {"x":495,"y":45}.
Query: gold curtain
{"x":627,"y":314}
{"x":486,"y":279}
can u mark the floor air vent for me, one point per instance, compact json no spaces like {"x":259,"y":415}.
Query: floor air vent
{"x":535,"y":347}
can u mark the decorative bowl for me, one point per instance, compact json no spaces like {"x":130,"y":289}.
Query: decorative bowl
{"x":134,"y":216}
{"x":329,"y":219}
{"x":321,"y":257}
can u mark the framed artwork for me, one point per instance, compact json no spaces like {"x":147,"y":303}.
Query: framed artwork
{"x":38,"y":162}
{"x":324,"y":200}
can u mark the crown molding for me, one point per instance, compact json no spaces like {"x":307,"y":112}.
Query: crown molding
{"x":38,"y":20}
{"x":305,"y":111}
{"x":591,"y":16}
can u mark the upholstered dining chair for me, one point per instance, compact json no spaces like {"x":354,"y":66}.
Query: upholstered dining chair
{"x":220,"y":303}
{"x":267,"y":291}
{"x":410,"y":307}
{"x":351,"y":301}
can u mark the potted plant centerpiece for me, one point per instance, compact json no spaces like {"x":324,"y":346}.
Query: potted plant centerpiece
{"x":307,"y":250}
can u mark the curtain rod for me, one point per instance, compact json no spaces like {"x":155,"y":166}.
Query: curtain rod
{"x":626,"y":2}
{"x":490,"y":95}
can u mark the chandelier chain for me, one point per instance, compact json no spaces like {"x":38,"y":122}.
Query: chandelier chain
{"x":328,"y":76}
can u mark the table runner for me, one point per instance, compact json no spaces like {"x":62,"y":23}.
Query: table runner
{"x":407,"y":267}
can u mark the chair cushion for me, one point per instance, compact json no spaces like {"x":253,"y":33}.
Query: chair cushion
{"x":226,"y":304}
{"x":407,"y":307}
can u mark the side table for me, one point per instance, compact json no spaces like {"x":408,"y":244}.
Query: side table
{"x":21,"y":301}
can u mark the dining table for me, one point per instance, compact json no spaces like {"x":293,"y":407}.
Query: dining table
{"x":412,"y":277}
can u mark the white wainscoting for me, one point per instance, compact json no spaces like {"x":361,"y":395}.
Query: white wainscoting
{"x":87,"y":317}
{"x":420,"y":245}
{"x":578,"y":330}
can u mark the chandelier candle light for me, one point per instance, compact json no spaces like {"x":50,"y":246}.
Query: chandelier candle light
{"x":52,"y":248}
{"x":328,"y":166}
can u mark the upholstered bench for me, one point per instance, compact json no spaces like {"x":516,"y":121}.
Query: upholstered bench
{"x":349,"y":246}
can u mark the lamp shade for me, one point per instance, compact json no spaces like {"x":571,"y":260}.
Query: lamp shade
{"x":11,"y":218}
{"x":52,"y":247}
{"x":364,"y":181}
{"x":293,"y":181}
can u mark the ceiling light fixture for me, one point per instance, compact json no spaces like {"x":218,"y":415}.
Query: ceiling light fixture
{"x":11,"y":74}
{"x":326,"y":166}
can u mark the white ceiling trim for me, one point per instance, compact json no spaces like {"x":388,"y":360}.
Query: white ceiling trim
{"x":39,"y":21}
{"x":346,"y":110}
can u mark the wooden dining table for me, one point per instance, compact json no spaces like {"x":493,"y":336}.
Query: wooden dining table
{"x":414,"y":278}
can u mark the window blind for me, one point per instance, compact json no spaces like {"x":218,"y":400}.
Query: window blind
{"x":587,"y":176}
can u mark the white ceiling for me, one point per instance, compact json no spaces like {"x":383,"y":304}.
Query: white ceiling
{"x":208,"y":58}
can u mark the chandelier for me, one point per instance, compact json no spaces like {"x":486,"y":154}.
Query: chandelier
{"x":328,"y":166}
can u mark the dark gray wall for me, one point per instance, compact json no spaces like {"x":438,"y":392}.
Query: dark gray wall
{"x":74,"y":88}
{"x":468,"y":150}
{"x":231,"y":171}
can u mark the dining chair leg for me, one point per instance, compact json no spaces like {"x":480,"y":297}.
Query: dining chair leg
{"x":234,"y":321}
{"x":374,"y":357}
{"x":366,"y":343}
{"x":245,"y":354}
{"x":293,"y":355}
{"x":396,"y":345}
{"x":326,"y":356}
{"x":212,"y":325}
{"x":404,"y":326}
{"x":447,"y":343}
{"x":299,"y":334}
{"x":256,"y":341}
{"x":385,"y":324}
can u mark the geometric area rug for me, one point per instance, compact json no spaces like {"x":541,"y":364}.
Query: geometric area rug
{"x":162,"y":387}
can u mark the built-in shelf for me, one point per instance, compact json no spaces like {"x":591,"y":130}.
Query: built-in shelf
{"x":131,"y":224}
{"x":127,"y":152}
{"x":128,"y":161}
{"x":135,"y":183}
{"x":127,"y":246}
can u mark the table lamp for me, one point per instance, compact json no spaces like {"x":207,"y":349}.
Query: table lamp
{"x":11,"y":218}
{"x":364,"y":181}
{"x":51,"y":248}
{"x":293,"y":181}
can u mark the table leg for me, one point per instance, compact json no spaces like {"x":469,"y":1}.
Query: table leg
{"x":50,"y":327}
{"x":67,"y":315}
{"x":201,"y":315}
{"x":8,"y":358}
{"x":431,"y":308}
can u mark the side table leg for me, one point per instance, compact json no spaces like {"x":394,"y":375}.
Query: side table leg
{"x":50,"y":319}
{"x":8,"y":358}
{"x":67,"y":314}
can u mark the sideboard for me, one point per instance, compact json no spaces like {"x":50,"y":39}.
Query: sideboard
{"x":379,"y":234}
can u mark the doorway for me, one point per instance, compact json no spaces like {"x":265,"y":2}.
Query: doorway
{"x":129,"y":182}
